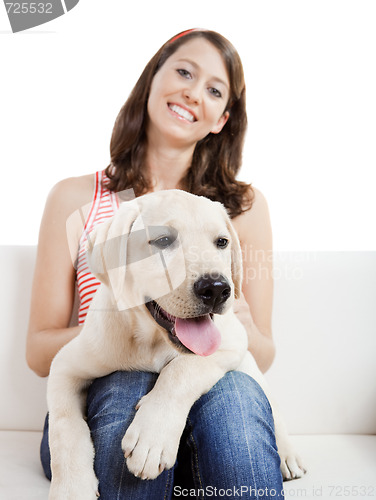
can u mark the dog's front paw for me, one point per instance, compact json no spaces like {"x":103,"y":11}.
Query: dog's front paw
{"x":151,"y":441}
{"x":291,"y":464}
{"x":83,"y":488}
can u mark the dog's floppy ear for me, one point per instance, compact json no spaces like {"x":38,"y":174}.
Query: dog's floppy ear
{"x":236,"y":260}
{"x":107,"y":243}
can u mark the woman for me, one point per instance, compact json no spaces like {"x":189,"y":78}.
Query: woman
{"x":183,"y":127}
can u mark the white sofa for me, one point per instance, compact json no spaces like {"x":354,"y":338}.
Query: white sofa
{"x":324,"y":375}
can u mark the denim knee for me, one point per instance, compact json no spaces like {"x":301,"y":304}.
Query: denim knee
{"x":113,"y":398}
{"x":111,"y":403}
{"x":232,"y":436}
{"x":234,"y":397}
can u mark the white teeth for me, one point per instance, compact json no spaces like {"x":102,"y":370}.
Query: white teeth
{"x":182,"y":112}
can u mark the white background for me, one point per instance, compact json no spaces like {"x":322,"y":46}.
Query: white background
{"x":311,"y":78}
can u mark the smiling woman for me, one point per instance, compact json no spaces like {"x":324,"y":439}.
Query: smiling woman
{"x":198,"y":78}
{"x":182,"y":127}
{"x":184,"y":102}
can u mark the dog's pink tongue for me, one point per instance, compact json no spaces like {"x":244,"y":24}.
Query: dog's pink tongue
{"x":200,"y":335}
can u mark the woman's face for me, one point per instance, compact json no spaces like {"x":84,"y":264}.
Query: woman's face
{"x":188,"y":95}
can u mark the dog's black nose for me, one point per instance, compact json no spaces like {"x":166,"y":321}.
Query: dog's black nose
{"x":213,"y":291}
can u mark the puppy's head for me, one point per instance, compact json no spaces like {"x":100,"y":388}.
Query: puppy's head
{"x":176,"y":253}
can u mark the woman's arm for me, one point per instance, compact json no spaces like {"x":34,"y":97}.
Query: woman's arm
{"x":54,"y":278}
{"x":254,"y":308}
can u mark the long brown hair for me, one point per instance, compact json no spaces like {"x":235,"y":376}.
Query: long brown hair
{"x":217,"y":157}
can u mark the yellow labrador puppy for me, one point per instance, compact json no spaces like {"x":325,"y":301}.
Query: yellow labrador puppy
{"x":170,"y":267}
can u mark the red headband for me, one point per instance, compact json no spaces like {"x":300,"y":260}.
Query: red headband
{"x":183,"y":33}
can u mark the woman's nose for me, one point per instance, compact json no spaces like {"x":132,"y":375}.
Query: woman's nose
{"x":193,"y":94}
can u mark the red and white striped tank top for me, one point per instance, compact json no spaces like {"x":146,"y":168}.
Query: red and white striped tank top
{"x":104,"y":205}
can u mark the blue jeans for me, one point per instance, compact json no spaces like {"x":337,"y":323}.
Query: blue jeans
{"x":227,"y":450}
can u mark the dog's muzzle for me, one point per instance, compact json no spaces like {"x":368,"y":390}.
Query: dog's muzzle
{"x":191,"y":335}
{"x":198,"y":335}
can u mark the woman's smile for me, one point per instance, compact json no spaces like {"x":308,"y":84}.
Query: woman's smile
{"x":182,"y":112}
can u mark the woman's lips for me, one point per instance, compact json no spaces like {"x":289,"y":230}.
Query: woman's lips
{"x":182,"y":112}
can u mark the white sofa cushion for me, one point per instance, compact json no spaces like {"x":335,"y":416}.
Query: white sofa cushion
{"x":21,"y":474}
{"x":324,"y":322}
{"x":24,"y":392}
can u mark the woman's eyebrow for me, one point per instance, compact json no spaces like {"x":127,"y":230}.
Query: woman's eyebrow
{"x":197,"y":66}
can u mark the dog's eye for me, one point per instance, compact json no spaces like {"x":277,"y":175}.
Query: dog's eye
{"x":222,"y":242}
{"x":163,"y":242}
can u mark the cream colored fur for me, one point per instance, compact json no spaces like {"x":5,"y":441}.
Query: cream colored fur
{"x":120,"y":334}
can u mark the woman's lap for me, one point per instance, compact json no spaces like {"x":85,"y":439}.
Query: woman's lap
{"x":228,"y":442}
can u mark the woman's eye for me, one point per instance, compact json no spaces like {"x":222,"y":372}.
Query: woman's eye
{"x":184,"y":73}
{"x":163,"y":242}
{"x":222,"y":242}
{"x":215,"y":92}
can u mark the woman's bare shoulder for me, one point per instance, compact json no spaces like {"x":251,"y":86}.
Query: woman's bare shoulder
{"x":256,"y":215}
{"x":71,"y":193}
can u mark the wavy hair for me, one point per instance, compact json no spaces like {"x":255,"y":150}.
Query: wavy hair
{"x":217,"y":157}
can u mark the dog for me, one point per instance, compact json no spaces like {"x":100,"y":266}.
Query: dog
{"x":170,"y":267}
